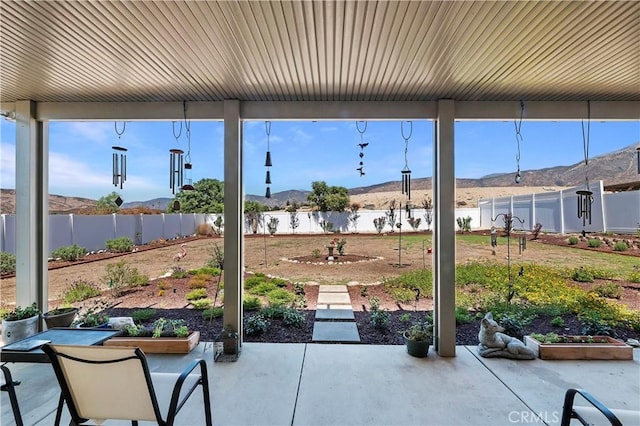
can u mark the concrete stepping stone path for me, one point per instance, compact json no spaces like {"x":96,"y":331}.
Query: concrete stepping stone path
{"x":335,"y":321}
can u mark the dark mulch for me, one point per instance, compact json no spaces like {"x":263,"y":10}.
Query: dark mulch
{"x":466,"y":334}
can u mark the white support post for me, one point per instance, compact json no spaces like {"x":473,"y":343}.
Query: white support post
{"x":444,"y":188}
{"x":32,"y":218}
{"x":233,"y":217}
{"x":561,"y":201}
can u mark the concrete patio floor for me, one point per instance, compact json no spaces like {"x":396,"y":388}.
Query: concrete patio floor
{"x":350,"y":384}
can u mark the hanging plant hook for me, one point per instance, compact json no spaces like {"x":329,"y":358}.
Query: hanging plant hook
{"x":518,"y":127}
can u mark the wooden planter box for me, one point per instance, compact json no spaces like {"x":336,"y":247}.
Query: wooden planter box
{"x":160,"y":345}
{"x":612,"y":349}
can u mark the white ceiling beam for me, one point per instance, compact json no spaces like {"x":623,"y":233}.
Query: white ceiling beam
{"x":252,"y":110}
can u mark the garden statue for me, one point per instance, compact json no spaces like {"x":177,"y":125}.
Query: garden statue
{"x":495,"y":344}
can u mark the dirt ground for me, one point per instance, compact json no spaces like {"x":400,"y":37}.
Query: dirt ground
{"x":273,"y":256}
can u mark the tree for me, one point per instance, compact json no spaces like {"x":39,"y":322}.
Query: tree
{"x":391,"y":214}
{"x":207,"y":196}
{"x":427,"y":205}
{"x":294,"y":220}
{"x":328,"y":198}
{"x":354,"y":215}
{"x":253,"y":211}
{"x":107,"y":204}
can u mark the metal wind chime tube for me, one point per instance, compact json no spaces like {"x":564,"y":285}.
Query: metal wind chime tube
{"x":176,"y":169}
{"x":585,"y":196}
{"x":267,"y":161}
{"x":119,"y":159}
{"x":406,"y":172}
{"x":638,"y":155}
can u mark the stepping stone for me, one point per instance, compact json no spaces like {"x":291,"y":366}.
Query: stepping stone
{"x":346,"y":332}
{"x":333,"y":289}
{"x":333,"y":306}
{"x":335,"y":314}
{"x":334,"y":298}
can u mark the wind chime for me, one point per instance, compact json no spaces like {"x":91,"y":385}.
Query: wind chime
{"x":406,"y":173}
{"x":518,"y":126}
{"x":187,"y":159}
{"x":638,"y":155}
{"x":119,"y":159}
{"x":267,"y":161}
{"x":585,"y":196}
{"x":176,"y":169}
{"x":362,"y":146}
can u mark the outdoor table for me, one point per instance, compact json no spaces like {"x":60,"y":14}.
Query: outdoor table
{"x":57,"y":336}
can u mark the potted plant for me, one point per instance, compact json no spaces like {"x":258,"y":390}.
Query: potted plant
{"x":93,"y":317}
{"x":557,"y":346}
{"x":20,"y":323}
{"x":60,"y":317}
{"x":418,"y":337}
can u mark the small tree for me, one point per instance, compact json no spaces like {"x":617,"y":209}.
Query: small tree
{"x":354,"y":215}
{"x":414,"y":222}
{"x":218,"y":224}
{"x":391,"y":214}
{"x":107,"y":204}
{"x":464,"y":223}
{"x":427,"y":205}
{"x":379,"y":223}
{"x":294,"y":220}
{"x":273,"y":225}
{"x":326,"y":226}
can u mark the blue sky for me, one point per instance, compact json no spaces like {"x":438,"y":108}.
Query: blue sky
{"x":302,"y":152}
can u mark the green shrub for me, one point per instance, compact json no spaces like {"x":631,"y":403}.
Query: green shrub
{"x":582,"y":275}
{"x":119,"y":245}
{"x":202,"y":304}
{"x":256,"y":325}
{"x":178,"y":272}
{"x":7,"y":263}
{"x":594,"y":243}
{"x":293,"y":318}
{"x":557,"y":322}
{"x":120,"y":277}
{"x":405,"y":317}
{"x":214,"y":272}
{"x":411,"y":285}
{"x":634,"y":276}
{"x":280,"y":297}
{"x":263,"y":289}
{"x":143,"y":315}
{"x":80,"y":290}
{"x":620,"y":246}
{"x":573,"y":241}
{"x":609,"y":290}
{"x":380,"y":318}
{"x":514,"y":322}
{"x":69,"y":253}
{"x":253,"y":281}
{"x":198,"y":293}
{"x":279,"y":282}
{"x":462,"y":315}
{"x":211,"y":313}
{"x":251,"y":303}
{"x":274,"y":312}
{"x":199,"y":281}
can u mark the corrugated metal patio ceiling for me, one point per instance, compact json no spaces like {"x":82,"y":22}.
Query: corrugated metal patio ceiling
{"x":81,"y":51}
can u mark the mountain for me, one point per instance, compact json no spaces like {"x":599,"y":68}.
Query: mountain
{"x":156,"y":204}
{"x":612,"y":168}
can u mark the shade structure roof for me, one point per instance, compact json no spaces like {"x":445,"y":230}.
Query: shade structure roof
{"x":141,"y":51}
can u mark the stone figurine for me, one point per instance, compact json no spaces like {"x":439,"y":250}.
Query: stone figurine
{"x":495,"y":344}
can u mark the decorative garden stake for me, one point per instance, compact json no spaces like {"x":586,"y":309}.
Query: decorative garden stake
{"x":119,"y":159}
{"x":508,"y":227}
{"x":362,"y":146}
{"x":406,"y":173}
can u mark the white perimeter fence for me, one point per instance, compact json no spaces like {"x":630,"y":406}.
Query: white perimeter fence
{"x":556,"y":211}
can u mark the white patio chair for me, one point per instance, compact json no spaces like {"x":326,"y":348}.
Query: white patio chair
{"x":100,"y":383}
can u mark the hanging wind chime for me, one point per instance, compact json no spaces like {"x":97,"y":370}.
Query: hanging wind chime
{"x":518,"y":126}
{"x":267,"y":161}
{"x":406,"y":173}
{"x":638,"y":155}
{"x":119,"y":159}
{"x":585,"y":196}
{"x":362,"y":146}
{"x":188,"y":186}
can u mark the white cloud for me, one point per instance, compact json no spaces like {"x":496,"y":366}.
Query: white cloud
{"x":97,"y":132}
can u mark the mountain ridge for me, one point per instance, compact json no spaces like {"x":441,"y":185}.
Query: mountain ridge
{"x":613,"y":168}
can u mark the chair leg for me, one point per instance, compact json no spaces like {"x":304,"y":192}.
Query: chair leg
{"x":12,"y":395}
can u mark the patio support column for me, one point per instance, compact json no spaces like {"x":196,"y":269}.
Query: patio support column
{"x":444,"y":188}
{"x":32,"y":209}
{"x":233,"y":217}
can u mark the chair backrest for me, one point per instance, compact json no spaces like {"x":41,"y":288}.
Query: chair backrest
{"x":104,"y":382}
